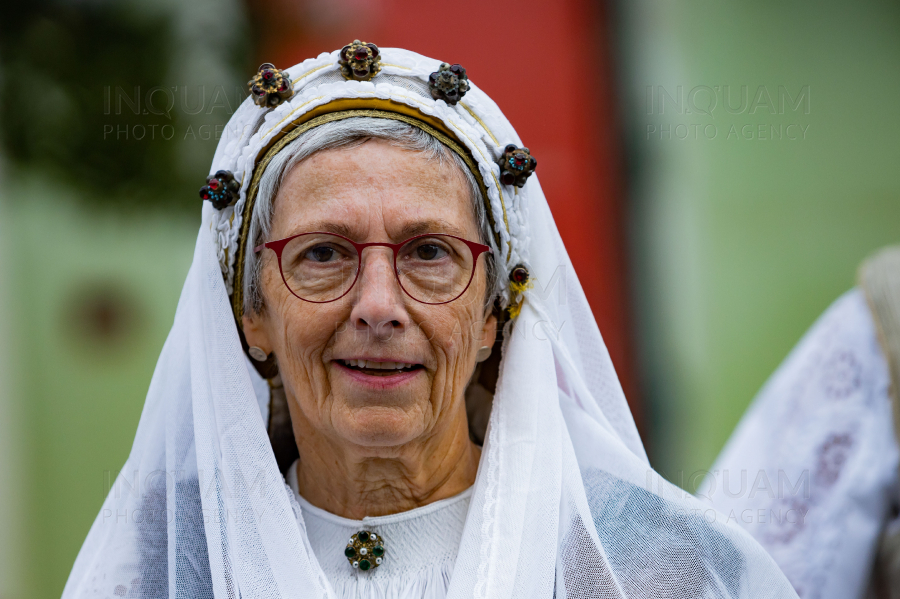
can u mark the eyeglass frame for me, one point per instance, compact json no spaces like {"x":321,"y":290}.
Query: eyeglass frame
{"x":277,"y":246}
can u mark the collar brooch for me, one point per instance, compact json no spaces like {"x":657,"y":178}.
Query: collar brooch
{"x":365,"y":550}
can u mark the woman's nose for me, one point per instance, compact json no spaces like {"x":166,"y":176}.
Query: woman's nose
{"x":380,"y":305}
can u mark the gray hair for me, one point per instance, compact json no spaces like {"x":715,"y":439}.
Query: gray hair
{"x":349,"y":133}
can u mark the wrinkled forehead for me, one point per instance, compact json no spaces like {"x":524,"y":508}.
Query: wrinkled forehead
{"x":372,"y":190}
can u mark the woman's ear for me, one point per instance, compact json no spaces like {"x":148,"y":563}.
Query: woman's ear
{"x":489,"y":330}
{"x":255,"y":332}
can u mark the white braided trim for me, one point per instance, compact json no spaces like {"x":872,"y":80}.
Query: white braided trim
{"x":252,"y":128}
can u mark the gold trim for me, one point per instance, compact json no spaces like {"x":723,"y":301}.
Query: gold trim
{"x":480,"y":122}
{"x":396,"y":66}
{"x":290,"y":114}
{"x":337,"y":110}
{"x":502,"y":203}
{"x":505,"y":222}
{"x":311,"y":71}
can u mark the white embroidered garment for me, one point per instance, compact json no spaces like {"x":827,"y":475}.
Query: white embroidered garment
{"x":422,"y":546}
{"x":811,"y":471}
{"x":565,"y":503}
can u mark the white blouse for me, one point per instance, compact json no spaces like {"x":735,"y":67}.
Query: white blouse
{"x":420,"y":548}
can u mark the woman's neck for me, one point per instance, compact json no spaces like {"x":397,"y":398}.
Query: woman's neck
{"x":351,"y":484}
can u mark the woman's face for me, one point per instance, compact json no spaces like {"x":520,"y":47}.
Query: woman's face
{"x":372,"y":193}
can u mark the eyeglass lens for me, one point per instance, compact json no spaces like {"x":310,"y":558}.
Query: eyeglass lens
{"x":320,"y":267}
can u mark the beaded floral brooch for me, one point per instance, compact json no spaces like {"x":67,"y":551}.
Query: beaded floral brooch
{"x":360,"y":61}
{"x":516,"y":165}
{"x":270,"y":86}
{"x":221,"y":189}
{"x":365,"y":550}
{"x":449,"y":83}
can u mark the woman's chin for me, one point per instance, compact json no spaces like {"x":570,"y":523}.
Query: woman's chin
{"x":380,"y":411}
{"x":375,"y":426}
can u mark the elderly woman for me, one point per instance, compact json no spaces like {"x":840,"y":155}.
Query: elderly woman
{"x":372,"y":227}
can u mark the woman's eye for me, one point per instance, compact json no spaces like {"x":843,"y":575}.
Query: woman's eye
{"x":321,"y":254}
{"x":429,"y":251}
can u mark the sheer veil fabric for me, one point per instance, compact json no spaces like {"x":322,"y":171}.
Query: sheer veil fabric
{"x":565,"y":503}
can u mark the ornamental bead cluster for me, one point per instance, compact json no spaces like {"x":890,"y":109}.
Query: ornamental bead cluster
{"x":519,"y":275}
{"x":516,"y":165}
{"x":221,"y":189}
{"x":360,"y":61}
{"x":449,"y":83}
{"x":270,"y":86}
{"x":365,"y":550}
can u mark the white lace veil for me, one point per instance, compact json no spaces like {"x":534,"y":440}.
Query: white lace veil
{"x":565,"y":503}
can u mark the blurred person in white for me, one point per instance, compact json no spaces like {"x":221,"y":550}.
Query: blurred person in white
{"x":372,"y":223}
{"x":812,"y":469}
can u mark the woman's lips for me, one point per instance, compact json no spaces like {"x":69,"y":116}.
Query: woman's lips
{"x":378,"y":366}
{"x":380,"y":374}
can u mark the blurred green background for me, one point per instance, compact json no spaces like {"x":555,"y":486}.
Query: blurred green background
{"x":739,"y":241}
{"x":736,"y":243}
{"x":109,"y":116}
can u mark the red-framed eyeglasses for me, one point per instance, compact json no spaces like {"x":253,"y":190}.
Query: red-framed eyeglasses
{"x":322,"y":267}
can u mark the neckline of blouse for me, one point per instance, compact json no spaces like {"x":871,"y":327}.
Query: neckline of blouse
{"x":370,"y":520}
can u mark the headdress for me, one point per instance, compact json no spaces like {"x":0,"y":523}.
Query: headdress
{"x":565,"y":503}
{"x":362,"y":80}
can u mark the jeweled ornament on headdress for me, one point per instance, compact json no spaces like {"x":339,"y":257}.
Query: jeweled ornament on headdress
{"x":519,"y":275}
{"x":270,"y":86}
{"x":519,"y":281}
{"x":449,"y":83}
{"x":360,"y":61}
{"x":516,"y":165}
{"x":221,"y":189}
{"x":365,"y":550}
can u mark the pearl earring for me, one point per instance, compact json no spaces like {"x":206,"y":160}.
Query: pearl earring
{"x":483,"y":354}
{"x":258,"y":354}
